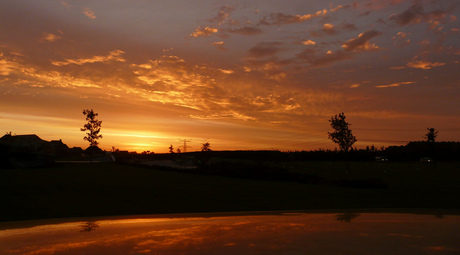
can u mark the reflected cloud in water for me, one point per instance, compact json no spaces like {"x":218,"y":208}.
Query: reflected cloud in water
{"x":370,"y":233}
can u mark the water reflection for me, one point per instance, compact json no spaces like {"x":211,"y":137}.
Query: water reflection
{"x":299,"y":233}
{"x":89,"y":226}
{"x":346,"y":217}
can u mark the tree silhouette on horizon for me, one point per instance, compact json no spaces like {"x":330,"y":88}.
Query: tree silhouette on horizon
{"x":342,"y":135}
{"x":431,"y":135}
{"x":206,"y":146}
{"x":93,"y":126}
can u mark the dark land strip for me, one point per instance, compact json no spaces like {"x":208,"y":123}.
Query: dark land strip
{"x":107,"y":189}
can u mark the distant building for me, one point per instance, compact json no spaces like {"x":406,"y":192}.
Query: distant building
{"x":31,"y":150}
{"x":76,"y":151}
{"x":94,"y":151}
{"x":25,"y":144}
{"x":60,"y":148}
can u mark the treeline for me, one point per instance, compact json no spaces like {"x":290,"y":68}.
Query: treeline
{"x":441,"y":151}
{"x":413,"y":151}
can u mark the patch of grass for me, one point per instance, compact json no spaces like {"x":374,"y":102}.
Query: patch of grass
{"x":102,"y":189}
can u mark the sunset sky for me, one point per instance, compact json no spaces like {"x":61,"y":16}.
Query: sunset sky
{"x":243,"y":74}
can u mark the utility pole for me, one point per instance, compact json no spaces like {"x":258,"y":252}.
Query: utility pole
{"x":185,"y":141}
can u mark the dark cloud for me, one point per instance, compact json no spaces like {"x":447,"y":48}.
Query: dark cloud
{"x":278,"y":18}
{"x":316,"y":60}
{"x":265,"y":49}
{"x":282,"y":19}
{"x":223,"y":15}
{"x":362,"y":41}
{"x":348,"y":26}
{"x":329,"y":29}
{"x":246,"y":31}
{"x":415,"y":14}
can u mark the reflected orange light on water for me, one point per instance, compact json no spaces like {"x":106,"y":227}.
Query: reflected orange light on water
{"x":367,"y":233}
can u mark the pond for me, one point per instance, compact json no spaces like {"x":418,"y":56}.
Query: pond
{"x":239,"y":233}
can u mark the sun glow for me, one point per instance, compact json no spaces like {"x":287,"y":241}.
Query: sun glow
{"x":139,"y":140}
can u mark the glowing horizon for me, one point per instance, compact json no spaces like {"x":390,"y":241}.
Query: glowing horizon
{"x":246,"y":76}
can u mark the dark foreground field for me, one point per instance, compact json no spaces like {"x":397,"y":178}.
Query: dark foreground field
{"x":81,"y":189}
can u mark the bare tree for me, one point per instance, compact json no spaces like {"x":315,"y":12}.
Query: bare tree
{"x":342,"y":135}
{"x":171,"y":148}
{"x":431,"y":135}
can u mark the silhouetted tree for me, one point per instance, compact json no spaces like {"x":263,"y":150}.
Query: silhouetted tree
{"x":171,"y":148}
{"x":206,"y":146}
{"x":93,"y":127}
{"x":342,"y":135}
{"x":431,"y":135}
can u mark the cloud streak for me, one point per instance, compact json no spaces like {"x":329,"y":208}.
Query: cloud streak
{"x":395,"y":84}
{"x":279,"y":18}
{"x":113,"y":56}
{"x":426,"y":65}
{"x":361,"y":43}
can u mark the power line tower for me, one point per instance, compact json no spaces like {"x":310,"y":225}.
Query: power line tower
{"x":185,"y":141}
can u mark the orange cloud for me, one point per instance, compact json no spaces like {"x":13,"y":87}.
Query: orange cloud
{"x":400,"y":39}
{"x":424,"y":64}
{"x":282,"y":19}
{"x":356,"y":85}
{"x":8,"y":66}
{"x":361,"y":43}
{"x":308,"y":42}
{"x":113,"y":56}
{"x":395,"y":84}
{"x":220,"y":45}
{"x":203,"y":32}
{"x":89,"y":13}
{"x":49,"y":37}
{"x":223,"y":15}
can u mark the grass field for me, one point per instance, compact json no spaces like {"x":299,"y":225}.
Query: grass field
{"x":102,"y":189}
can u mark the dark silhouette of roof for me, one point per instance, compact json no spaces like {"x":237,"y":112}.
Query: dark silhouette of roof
{"x":33,"y":144}
{"x":93,"y":150}
{"x":60,"y":148}
{"x":22,"y":140}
